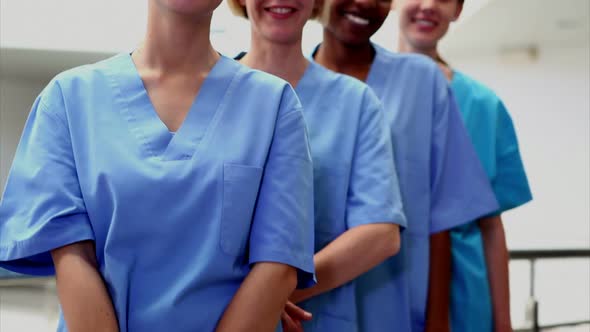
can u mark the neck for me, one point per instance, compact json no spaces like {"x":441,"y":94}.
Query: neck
{"x":431,"y":52}
{"x":175,"y":42}
{"x":406,"y":47}
{"x":353,"y":60}
{"x":272,"y":58}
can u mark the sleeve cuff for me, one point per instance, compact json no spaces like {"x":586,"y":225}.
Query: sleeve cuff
{"x":470,"y":213}
{"x":506,"y":206}
{"x":370,"y":216}
{"x":32,"y":255}
{"x":303,"y":263}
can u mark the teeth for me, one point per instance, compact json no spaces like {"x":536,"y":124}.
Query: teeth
{"x":357,"y":20}
{"x":425,"y":23}
{"x":281,"y":10}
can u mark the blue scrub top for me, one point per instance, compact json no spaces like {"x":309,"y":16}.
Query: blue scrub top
{"x":442,"y":183}
{"x":494,"y":137}
{"x":178,"y":220}
{"x":355,"y":180}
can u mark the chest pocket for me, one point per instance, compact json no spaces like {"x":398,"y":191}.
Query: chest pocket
{"x":240,"y":190}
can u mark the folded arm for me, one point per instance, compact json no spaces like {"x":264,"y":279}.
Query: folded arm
{"x":83,"y":295}
{"x":350,"y":255}
{"x":258,"y":304}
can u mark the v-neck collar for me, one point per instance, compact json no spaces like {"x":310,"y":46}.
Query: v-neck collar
{"x":144,"y":122}
{"x":309,"y":80}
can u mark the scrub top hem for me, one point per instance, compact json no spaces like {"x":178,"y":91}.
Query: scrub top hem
{"x":17,"y":256}
{"x":305,"y":275}
{"x":372,"y":217}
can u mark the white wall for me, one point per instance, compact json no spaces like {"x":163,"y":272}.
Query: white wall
{"x":106,"y":25}
{"x":28,"y":308}
{"x":16,"y":98}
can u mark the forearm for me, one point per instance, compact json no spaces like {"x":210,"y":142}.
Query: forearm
{"x":439,"y":283}
{"x":496,"y":253}
{"x":258,"y":304}
{"x":353,"y":253}
{"x":83,"y":296}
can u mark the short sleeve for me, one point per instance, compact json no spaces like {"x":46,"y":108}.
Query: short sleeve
{"x":374,"y":193}
{"x":510,"y":182}
{"x":283,"y":229}
{"x":460,"y":189}
{"x":42,"y":206}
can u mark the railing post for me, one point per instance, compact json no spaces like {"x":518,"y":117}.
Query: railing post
{"x":532,"y":308}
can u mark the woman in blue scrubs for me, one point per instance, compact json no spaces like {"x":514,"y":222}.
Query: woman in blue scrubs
{"x":168,"y":190}
{"x":442,"y":182}
{"x":480,"y":293}
{"x":358,"y":209}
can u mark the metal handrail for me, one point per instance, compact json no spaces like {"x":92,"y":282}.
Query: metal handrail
{"x":549,"y":253}
{"x":532,"y":311}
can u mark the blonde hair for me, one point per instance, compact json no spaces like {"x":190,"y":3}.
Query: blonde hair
{"x":239,"y":10}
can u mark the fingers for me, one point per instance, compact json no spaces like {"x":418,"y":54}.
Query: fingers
{"x":290,"y":325}
{"x":296,"y":313}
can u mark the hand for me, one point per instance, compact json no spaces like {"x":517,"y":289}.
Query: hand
{"x":292,"y":317}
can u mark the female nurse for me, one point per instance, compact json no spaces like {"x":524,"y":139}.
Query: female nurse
{"x":358,"y":209}
{"x":169,"y":190}
{"x":442,"y":182}
{"x":480,"y":288}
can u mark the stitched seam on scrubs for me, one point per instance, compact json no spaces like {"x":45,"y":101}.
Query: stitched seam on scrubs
{"x":47,"y":111}
{"x":292,"y":112}
{"x":26,"y":243}
{"x":385,"y":217}
{"x":473,"y":212}
{"x":220,"y":108}
{"x":64,"y":124}
{"x":515,"y":204}
{"x":292,"y":257}
{"x":126,"y":114}
{"x":509,"y":154}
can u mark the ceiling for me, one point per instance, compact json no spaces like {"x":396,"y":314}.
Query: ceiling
{"x":488,"y":26}
{"x":505,"y":25}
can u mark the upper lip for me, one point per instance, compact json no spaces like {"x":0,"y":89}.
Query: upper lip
{"x":423,"y":18}
{"x":280,"y":6}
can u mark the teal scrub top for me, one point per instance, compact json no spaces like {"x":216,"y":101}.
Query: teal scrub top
{"x":177,"y":220}
{"x":494,"y":137}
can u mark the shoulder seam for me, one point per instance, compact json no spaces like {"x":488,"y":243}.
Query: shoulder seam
{"x":54,"y":116}
{"x":49,"y":109}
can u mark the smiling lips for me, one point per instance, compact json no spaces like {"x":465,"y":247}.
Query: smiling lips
{"x":425,"y":24}
{"x":356,"y":19}
{"x":280,"y":12}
